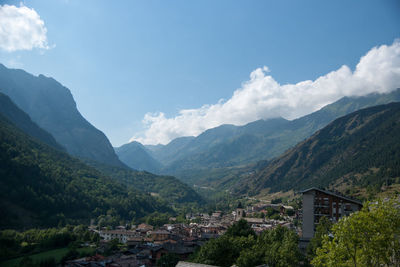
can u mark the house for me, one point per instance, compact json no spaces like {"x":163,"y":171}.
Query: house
{"x":144,"y":228}
{"x":121,"y":235}
{"x":318,"y":203}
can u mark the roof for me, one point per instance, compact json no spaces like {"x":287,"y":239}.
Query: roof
{"x":332,"y":194}
{"x":161,"y":232}
{"x":254,"y":220}
{"x":192,"y":264}
{"x":123,"y":232}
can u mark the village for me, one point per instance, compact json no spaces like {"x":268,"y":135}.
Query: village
{"x":144,"y":245}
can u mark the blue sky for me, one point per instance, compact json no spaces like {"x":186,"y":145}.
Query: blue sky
{"x":125,"y":59}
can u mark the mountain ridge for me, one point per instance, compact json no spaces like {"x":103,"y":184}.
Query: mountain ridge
{"x":361,"y":148}
{"x":22,"y":120}
{"x":42,"y":187}
{"x":52,"y":107}
{"x":229,"y":146}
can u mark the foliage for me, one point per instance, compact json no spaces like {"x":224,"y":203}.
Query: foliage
{"x":276,"y":247}
{"x":223,"y":251}
{"x":240,"y":228}
{"x":168,"y":260}
{"x":362,"y":149}
{"x":71,"y":255}
{"x":280,"y":247}
{"x":369,"y":237}
{"x":13,"y":243}
{"x":323,"y":228}
{"x":168,"y":188}
{"x":157,"y":219}
{"x":41,"y":186}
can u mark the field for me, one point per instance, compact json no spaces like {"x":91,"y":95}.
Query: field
{"x":57,"y":254}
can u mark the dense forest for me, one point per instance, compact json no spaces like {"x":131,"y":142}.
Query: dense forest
{"x":42,"y":186}
{"x":167,"y":188}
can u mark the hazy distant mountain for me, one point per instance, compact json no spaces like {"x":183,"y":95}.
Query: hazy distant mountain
{"x":20,"y":119}
{"x":360,"y":149}
{"x":51,"y":106}
{"x":136,"y":156}
{"x":41,"y":186}
{"x":167,"y":153}
{"x":228,"y":145}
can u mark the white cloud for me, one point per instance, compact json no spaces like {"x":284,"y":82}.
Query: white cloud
{"x":263,"y":97}
{"x":21,"y":28}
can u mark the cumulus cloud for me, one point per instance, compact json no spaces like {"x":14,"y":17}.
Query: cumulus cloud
{"x":21,"y":28}
{"x":262,"y":97}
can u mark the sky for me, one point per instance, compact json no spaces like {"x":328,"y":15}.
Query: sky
{"x":152,"y":71}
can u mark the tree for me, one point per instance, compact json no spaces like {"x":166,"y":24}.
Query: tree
{"x":370,"y":237}
{"x":277,"y":247}
{"x":240,"y":228}
{"x":26,"y":262}
{"x":281,"y":247}
{"x":224,"y":250}
{"x":323,"y":228}
{"x":168,"y":260}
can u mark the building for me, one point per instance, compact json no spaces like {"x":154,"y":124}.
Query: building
{"x":318,"y":203}
{"x":121,"y":235}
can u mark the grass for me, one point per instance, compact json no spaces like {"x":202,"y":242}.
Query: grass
{"x":57,"y":254}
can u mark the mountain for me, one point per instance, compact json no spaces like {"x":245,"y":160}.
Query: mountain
{"x":51,"y":106}
{"x":41,"y":186}
{"x":229,"y":146}
{"x":20,"y":119}
{"x":167,"y":153}
{"x":360,"y":149}
{"x":167,"y":188}
{"x":136,"y":156}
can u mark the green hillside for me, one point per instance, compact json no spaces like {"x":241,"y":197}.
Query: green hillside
{"x":41,"y":186}
{"x":168,"y":188}
{"x":223,"y":152}
{"x":361,"y":149}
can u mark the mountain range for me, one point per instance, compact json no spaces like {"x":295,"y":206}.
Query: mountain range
{"x":55,"y":167}
{"x":360,"y":149}
{"x":42,"y":184}
{"x":228,"y":147}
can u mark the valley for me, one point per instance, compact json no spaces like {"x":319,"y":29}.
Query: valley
{"x":68,"y":197}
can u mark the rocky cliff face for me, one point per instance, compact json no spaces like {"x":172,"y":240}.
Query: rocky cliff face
{"x":51,"y":106}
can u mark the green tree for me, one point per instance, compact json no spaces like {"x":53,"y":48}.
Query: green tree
{"x":27,"y":262}
{"x":281,"y":247}
{"x":369,"y":237}
{"x":323,"y":228}
{"x":168,"y":260}
{"x":240,"y":228}
{"x":277,"y":247}
{"x":224,"y":250}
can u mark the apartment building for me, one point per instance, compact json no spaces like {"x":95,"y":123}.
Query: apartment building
{"x":318,"y":203}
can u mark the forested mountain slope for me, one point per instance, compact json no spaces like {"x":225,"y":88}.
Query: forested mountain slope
{"x":229,"y":145}
{"x":41,"y":186}
{"x":361,"y":149}
{"x":168,"y":188}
